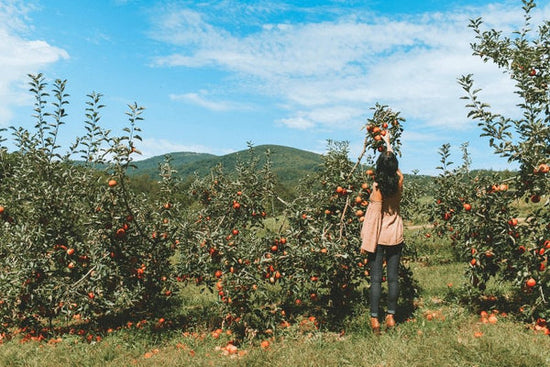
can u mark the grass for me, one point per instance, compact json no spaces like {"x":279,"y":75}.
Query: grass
{"x":440,"y":333}
{"x":449,"y":339}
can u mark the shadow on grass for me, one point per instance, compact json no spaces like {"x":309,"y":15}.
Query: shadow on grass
{"x":513,"y":303}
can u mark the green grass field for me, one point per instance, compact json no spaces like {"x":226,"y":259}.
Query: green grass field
{"x":440,"y":333}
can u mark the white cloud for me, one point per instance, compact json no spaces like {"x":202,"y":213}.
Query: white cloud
{"x":201,"y":99}
{"x":184,"y":26}
{"x":349,"y":63}
{"x":323,"y":115}
{"x":420,"y":136}
{"x":298,"y":122}
{"x":13,"y":14}
{"x":328,"y":114}
{"x":19,"y":56}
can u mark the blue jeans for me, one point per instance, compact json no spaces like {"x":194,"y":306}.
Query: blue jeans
{"x":376,"y":262}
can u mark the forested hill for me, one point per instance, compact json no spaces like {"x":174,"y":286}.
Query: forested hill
{"x":289,"y":164}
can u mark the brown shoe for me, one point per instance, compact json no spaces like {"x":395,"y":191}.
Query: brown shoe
{"x":390,"y":321}
{"x":375,"y":325}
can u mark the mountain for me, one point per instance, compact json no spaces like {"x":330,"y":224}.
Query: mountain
{"x":289,"y":164}
{"x":150,"y":166}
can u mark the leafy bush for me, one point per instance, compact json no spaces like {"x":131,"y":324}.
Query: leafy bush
{"x":74,"y":241}
{"x":480,"y":212}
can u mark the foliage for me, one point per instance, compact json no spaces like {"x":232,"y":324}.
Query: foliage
{"x":383,"y":121}
{"x":226,"y":242}
{"x":480,"y":212}
{"x":305,"y":263}
{"x":478,"y":216}
{"x":74,"y":242}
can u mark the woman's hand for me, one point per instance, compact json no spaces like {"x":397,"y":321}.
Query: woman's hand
{"x":386,"y":139}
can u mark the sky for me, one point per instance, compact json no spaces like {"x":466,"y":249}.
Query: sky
{"x":215,"y":75}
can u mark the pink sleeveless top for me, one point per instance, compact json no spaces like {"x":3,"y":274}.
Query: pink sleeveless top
{"x":383,"y":224}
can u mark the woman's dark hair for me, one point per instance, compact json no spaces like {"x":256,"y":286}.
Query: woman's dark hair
{"x":386,"y":174}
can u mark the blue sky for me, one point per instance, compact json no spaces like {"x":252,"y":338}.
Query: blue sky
{"x":214,"y":75}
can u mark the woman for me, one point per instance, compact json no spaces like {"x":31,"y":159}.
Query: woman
{"x":382,"y":234}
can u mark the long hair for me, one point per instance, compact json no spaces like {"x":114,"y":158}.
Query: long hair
{"x":386,"y":174}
